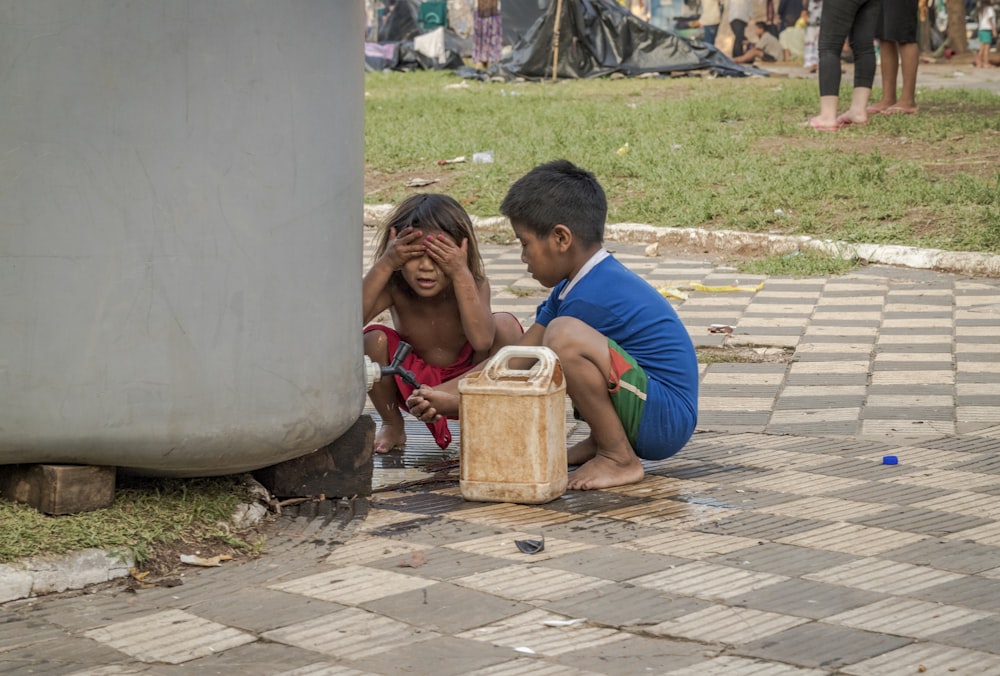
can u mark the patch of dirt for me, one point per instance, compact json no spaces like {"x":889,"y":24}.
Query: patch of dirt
{"x":163,"y":568}
{"x":964,"y":154}
{"x":763,"y":354}
{"x":378,"y":181}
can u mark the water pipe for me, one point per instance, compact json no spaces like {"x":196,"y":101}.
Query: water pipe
{"x":375,"y":371}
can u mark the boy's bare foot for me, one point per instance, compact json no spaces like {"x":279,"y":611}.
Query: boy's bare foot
{"x":430,"y":405}
{"x":581,"y":452}
{"x":603,"y":472}
{"x":390,"y":438}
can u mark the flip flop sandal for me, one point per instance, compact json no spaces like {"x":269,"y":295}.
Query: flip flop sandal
{"x":823,"y":127}
{"x":845,"y":121}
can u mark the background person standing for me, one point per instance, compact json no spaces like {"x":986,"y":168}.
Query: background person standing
{"x":711,"y":17}
{"x":897,"y":36}
{"x":810,"y":58}
{"x":487,"y":33}
{"x":845,"y":19}
{"x":739,"y":18}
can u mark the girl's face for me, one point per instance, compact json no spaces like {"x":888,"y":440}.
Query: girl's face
{"x":423,"y":274}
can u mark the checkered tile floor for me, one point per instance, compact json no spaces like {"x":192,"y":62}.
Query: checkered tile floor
{"x":777,"y":542}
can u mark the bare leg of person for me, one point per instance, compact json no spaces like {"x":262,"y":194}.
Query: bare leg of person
{"x":430,"y":404}
{"x":827,"y":118}
{"x":392,"y":434}
{"x":583,"y":353}
{"x":582,"y":451}
{"x":857,"y":113}
{"x":909,"y":60}
{"x":890,"y":70}
{"x":508,"y":331}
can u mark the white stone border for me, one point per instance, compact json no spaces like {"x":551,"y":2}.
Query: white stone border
{"x":731,"y":241}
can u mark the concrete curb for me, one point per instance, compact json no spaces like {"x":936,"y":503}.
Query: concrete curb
{"x":45,"y":575}
{"x":734,"y":242}
{"x":37,"y":576}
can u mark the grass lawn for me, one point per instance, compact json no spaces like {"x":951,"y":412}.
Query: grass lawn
{"x":722,"y":153}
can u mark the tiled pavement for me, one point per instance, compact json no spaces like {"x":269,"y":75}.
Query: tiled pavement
{"x":777,"y":542}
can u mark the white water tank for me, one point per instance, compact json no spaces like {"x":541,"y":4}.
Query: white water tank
{"x":181,"y":187}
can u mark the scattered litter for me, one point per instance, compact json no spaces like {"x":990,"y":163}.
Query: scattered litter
{"x":417,"y":559}
{"x":420,"y":182}
{"x":455,"y":160}
{"x":653,"y":250}
{"x":677,"y":146}
{"x":485,"y":157}
{"x":623,"y":150}
{"x":564,"y":623}
{"x":890,"y":460}
{"x":793,"y":254}
{"x":720,"y":328}
{"x":511,"y":93}
{"x":524,"y":649}
{"x":195,"y":560}
{"x":725,"y":289}
{"x":461,"y":85}
{"x":673,"y":292}
{"x":531,"y":546}
{"x":779,"y":212}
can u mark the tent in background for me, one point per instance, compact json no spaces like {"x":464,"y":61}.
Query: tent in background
{"x":600,"y":37}
{"x":596,"y":38}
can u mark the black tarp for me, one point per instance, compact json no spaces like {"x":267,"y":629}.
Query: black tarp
{"x":596,"y":38}
{"x":600,"y":37}
{"x":519,"y":16}
{"x":399,"y":22}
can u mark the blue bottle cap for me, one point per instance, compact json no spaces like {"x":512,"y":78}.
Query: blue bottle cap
{"x":890,"y":460}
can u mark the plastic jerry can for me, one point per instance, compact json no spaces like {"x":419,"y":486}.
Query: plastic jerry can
{"x":513,"y":429}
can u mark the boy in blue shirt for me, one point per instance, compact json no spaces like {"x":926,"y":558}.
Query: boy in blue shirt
{"x":630,"y":367}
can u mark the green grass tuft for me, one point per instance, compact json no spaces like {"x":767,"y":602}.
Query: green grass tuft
{"x":802,"y":263}
{"x":145,"y":513}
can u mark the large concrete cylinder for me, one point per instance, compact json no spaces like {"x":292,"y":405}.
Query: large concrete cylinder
{"x":181,"y":187}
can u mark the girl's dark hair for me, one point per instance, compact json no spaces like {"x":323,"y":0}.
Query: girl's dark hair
{"x":431,"y":212}
{"x":558,"y":192}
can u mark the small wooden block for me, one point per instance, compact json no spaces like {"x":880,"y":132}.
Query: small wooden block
{"x":342,"y":469}
{"x":59,"y":489}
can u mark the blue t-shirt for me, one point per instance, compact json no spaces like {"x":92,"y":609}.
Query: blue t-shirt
{"x":618,"y":303}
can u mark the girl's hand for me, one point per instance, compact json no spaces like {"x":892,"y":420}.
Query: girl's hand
{"x":404,"y":247}
{"x":451,"y":258}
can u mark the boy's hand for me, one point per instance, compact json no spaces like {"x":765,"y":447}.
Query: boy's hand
{"x":403,"y":247}
{"x":420,"y":405}
{"x":450,"y":258}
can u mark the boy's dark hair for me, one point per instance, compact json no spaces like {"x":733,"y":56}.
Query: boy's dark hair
{"x":558,"y":192}
{"x":431,"y":212}
{"x":762,"y":25}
